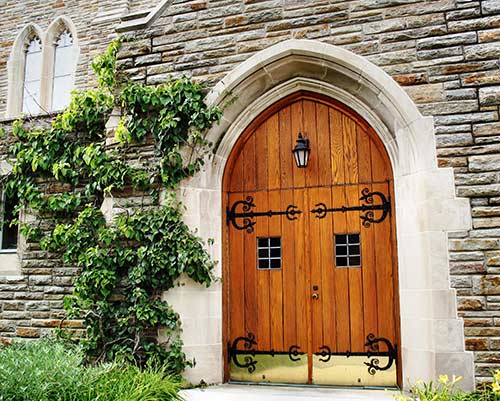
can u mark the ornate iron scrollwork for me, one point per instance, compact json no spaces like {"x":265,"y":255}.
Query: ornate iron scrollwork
{"x":250,"y":353}
{"x":248,"y":215}
{"x":248,"y":343}
{"x":293,"y":353}
{"x":367,"y":208}
{"x":374,"y":351}
{"x":325,"y":353}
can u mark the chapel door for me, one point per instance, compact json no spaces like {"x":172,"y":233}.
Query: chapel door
{"x":310,"y":266}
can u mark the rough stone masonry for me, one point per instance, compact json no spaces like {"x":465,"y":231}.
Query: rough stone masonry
{"x":445,"y":53}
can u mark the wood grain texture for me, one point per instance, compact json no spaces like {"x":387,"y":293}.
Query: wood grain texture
{"x":346,"y":157}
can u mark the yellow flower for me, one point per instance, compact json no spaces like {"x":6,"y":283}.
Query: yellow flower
{"x":456,"y":379}
{"x":496,"y":376}
{"x":495,"y":387}
{"x":443,"y":379}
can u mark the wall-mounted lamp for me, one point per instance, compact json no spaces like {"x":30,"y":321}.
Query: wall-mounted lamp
{"x":301,"y":151}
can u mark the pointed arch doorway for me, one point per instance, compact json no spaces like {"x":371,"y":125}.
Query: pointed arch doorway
{"x":310,"y":269}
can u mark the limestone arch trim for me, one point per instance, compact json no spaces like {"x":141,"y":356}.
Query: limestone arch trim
{"x":17,"y":59}
{"x":16,"y":65}
{"x":426,"y":206}
{"x":52,"y":34}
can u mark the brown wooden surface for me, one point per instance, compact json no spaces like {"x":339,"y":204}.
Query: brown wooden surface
{"x":277,"y":306}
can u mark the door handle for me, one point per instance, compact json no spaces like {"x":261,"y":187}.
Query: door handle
{"x":315,"y":296}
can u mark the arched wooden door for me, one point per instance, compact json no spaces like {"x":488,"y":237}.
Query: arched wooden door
{"x":310,"y":272}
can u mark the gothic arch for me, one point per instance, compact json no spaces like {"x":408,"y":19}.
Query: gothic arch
{"x":426,"y":206}
{"x":16,"y":66}
{"x":58,"y":26}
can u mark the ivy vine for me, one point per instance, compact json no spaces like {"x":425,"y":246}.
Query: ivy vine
{"x":62,"y":174}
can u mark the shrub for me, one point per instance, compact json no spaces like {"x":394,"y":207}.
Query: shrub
{"x":52,"y":370}
{"x":43,"y":370}
{"x":445,"y":390}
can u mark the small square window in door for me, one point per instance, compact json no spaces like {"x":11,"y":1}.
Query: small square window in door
{"x":347,"y":250}
{"x":269,"y":253}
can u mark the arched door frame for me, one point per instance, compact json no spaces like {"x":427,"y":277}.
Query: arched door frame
{"x":426,"y":207}
{"x":432,"y":337}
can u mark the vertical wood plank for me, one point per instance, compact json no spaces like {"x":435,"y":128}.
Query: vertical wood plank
{"x":323,"y":139}
{"x":336,"y":147}
{"x":276,"y":278}
{"x":368,"y":266}
{"x":236,"y":182}
{"x":236,"y":278}
{"x":315,"y":246}
{"x":383,"y":253}
{"x":302,"y":298}
{"x":289,"y":267}
{"x":355,"y":277}
{"x":249,"y":163}
{"x":342,"y":314}
{"x":261,"y":229}
{"x":273,"y":152}
{"x":310,"y":132}
{"x":299,"y":175}
{"x":327,"y":274}
{"x":350,"y":150}
{"x":261,"y":155}
{"x":286,"y":146}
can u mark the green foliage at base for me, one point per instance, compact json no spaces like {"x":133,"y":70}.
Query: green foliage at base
{"x":62,"y":174}
{"x":446,"y":390}
{"x":49,"y":370}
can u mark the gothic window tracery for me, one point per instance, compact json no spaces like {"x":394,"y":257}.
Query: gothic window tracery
{"x":32,"y":76}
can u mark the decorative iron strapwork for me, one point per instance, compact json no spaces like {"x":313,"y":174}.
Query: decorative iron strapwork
{"x":249,"y":363}
{"x":248,"y":215}
{"x":373,"y":353}
{"x":325,"y":353}
{"x":374,"y":350}
{"x":367,"y":208}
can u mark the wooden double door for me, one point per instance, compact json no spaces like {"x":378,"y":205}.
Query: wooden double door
{"x":310,"y":272}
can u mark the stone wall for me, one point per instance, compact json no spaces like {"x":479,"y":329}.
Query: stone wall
{"x":445,"y":53}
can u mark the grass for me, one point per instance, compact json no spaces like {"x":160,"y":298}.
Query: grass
{"x":50,"y":370}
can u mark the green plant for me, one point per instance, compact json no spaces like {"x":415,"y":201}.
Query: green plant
{"x":43,"y":370}
{"x":63,"y":173}
{"x":52,"y":370}
{"x":125,"y":382}
{"x":446,"y":390}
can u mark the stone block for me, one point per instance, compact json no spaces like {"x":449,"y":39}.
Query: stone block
{"x":484,"y":163}
{"x":12,"y":306}
{"x":490,"y":7}
{"x":447,"y":40}
{"x":474,"y":24}
{"x":486,"y":223}
{"x":27,"y":332}
{"x":452,"y":140}
{"x":489,"y":129}
{"x":471,"y":303}
{"x":490,"y":35}
{"x":491,"y":284}
{"x":482,"y":51}
{"x":489,"y":96}
{"x":135,"y":48}
{"x":426,"y":93}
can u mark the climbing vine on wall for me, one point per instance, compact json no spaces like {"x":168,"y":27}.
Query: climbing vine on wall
{"x":64,"y":172}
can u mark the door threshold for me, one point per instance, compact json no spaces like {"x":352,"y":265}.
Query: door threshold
{"x":318,"y":386}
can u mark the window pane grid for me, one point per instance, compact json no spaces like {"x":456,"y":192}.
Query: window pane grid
{"x":32,"y":76}
{"x":63,"y":71}
{"x":347,"y":250}
{"x":269,"y":253}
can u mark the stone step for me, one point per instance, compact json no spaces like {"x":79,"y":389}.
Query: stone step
{"x":236,"y":392}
